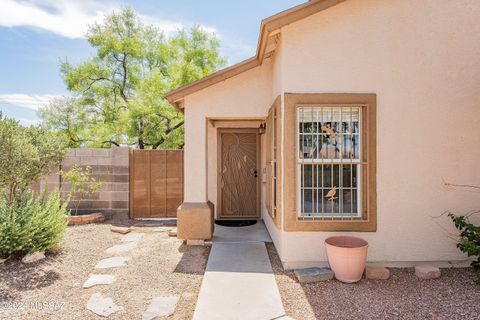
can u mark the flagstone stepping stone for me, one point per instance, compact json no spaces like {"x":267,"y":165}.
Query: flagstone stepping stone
{"x":102,"y":306}
{"x":377,"y":273}
{"x":195,"y":242}
{"x":114,"y":262}
{"x":161,"y":307}
{"x":121,"y":248}
{"x":427,"y":272}
{"x":98,"y":279}
{"x":309,"y":275}
{"x":121,"y":230}
{"x":33,"y":257}
{"x":132,"y":237}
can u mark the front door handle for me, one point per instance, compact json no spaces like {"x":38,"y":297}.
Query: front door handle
{"x":255,"y":173}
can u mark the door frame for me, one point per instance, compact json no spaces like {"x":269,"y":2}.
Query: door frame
{"x":219,"y":171}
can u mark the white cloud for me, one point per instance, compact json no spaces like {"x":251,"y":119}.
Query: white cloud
{"x":66,"y":18}
{"x":34,"y":101}
{"x":70,"y":18}
{"x":170,"y":27}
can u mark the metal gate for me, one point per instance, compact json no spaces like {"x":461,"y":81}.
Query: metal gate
{"x":156,"y":183}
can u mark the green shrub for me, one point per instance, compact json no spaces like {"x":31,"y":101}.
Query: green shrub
{"x":26,"y":154}
{"x":82,"y":184}
{"x":469,"y":241}
{"x":31,"y":223}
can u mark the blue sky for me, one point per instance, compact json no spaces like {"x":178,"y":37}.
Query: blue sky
{"x":36,"y":34}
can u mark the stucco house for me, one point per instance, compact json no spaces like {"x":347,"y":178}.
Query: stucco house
{"x":350,"y":119}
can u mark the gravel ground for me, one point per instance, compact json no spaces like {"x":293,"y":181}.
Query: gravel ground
{"x":159,"y":266}
{"x":403,"y":296}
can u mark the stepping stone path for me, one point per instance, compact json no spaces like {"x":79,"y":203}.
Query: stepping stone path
{"x":426,"y":272}
{"x":309,"y":275}
{"x":161,"y":307}
{"x":377,"y":273}
{"x":114,"y":262}
{"x":132,"y":237}
{"x":122,"y":248}
{"x":102,"y":306}
{"x":99,"y":279}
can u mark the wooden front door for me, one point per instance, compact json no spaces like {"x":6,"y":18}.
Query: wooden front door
{"x":238,"y":174}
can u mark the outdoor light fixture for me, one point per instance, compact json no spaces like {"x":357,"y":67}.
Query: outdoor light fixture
{"x":262,"y":128}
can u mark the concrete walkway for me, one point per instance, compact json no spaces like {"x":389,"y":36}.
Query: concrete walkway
{"x":239,"y":283}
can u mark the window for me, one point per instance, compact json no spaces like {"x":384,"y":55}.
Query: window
{"x":272,"y":148}
{"x":330,"y":162}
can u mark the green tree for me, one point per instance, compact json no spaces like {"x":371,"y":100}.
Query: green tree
{"x":66,"y":116}
{"x":119,"y":91}
{"x":26,"y":154}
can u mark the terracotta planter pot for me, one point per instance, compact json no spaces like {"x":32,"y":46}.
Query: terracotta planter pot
{"x":347,"y":257}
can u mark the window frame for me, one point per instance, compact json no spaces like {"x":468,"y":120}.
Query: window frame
{"x":368,"y":220}
{"x":274,"y":162}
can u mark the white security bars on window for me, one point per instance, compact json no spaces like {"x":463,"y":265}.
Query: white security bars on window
{"x":330,"y":163}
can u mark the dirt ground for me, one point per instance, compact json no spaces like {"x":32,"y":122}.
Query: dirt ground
{"x":160,"y":265}
{"x":52,"y":288}
{"x":403,"y":296}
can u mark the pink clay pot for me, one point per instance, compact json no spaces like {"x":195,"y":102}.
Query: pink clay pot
{"x":347,"y":257}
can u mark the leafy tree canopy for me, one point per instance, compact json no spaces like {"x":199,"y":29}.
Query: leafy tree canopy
{"x":117,"y":95}
{"x":26,"y":154}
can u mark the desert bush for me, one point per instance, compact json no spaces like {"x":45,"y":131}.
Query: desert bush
{"x":82,"y":184}
{"x":469,"y":239}
{"x":30,"y":223}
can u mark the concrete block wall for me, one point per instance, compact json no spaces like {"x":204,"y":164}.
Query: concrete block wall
{"x":110,"y":166}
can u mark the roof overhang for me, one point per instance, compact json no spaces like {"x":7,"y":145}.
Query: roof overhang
{"x":269,"y":32}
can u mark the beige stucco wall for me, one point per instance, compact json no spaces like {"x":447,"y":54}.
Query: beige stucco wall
{"x":247,"y":95}
{"x":421,"y":58}
{"x":277,"y":90}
